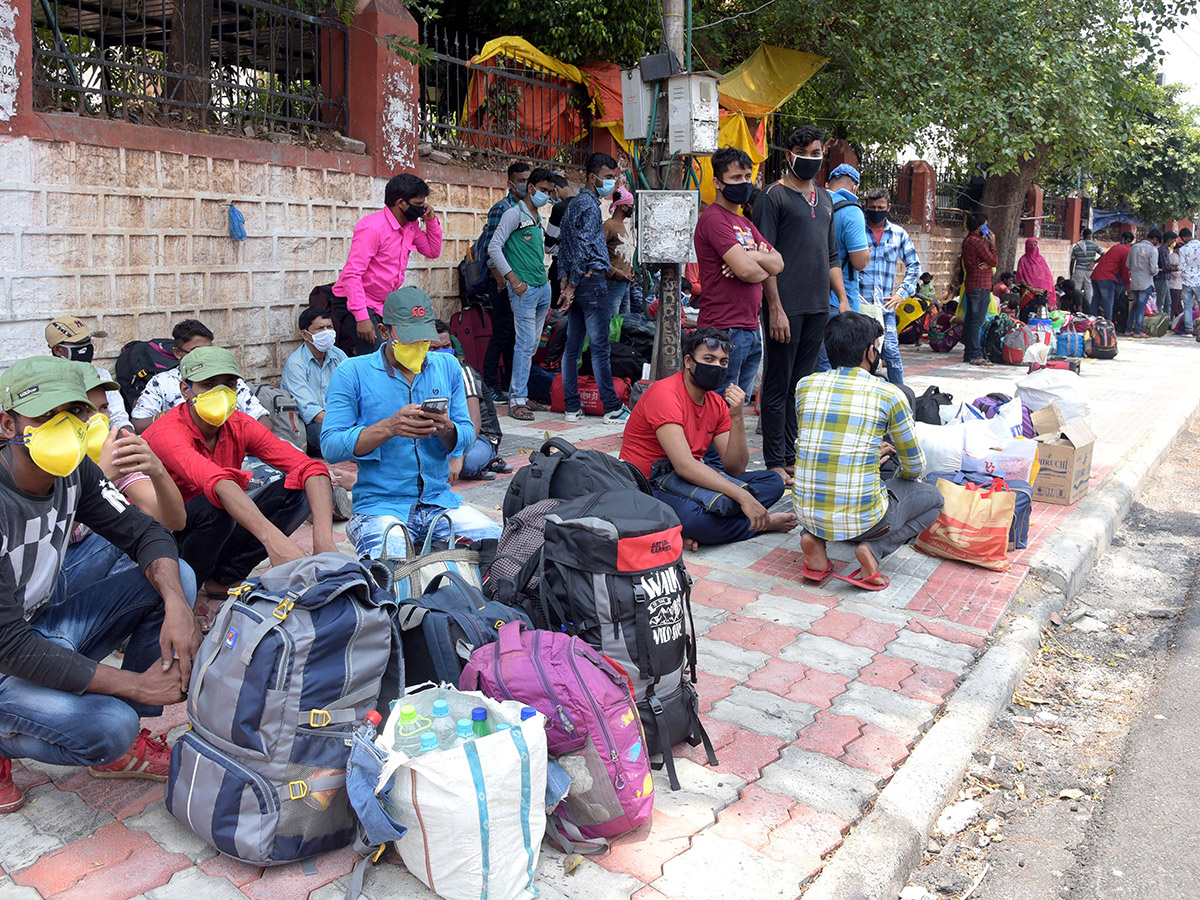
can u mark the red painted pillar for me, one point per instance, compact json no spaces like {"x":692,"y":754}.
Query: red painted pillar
{"x":1074,"y":218}
{"x":1033,"y":210}
{"x":383,"y":88}
{"x":918,"y":186}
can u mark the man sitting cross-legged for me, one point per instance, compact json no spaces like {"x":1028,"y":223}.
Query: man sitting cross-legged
{"x":671,"y":429}
{"x":232,"y":524}
{"x":844,"y":416}
{"x":58,"y":705}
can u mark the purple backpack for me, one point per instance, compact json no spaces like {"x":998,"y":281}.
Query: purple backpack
{"x":592,"y":726}
{"x":990,"y":404}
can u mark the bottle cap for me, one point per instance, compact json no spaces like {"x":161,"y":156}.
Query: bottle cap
{"x":527,"y":712}
{"x":503,"y":726}
{"x":408,"y":713}
{"x":441,"y":709}
{"x":429,"y":742}
{"x":463,"y":728}
{"x":373,"y":718}
{"x":479,"y":714}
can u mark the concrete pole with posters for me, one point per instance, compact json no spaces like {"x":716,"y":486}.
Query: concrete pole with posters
{"x":666,"y":223}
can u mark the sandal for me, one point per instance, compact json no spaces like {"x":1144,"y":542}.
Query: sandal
{"x":521,"y":412}
{"x":876,"y":582}
{"x":537,"y":407}
{"x":206,"y":609}
{"x":817,"y":578}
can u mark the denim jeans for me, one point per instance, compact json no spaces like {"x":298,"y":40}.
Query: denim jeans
{"x":589,"y":312}
{"x":477,"y":458}
{"x":744,"y":360}
{"x":529,"y":315}
{"x":1137,"y":312}
{"x":706,"y":527}
{"x":618,"y":297}
{"x":1106,"y":293}
{"x":891,"y":348}
{"x":976,"y":311}
{"x":367,"y":531}
{"x":1191,"y":295}
{"x":312,"y":433}
{"x":93,"y":559}
{"x":66,"y":729}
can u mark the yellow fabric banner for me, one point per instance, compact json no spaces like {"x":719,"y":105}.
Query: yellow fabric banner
{"x":770,"y":76}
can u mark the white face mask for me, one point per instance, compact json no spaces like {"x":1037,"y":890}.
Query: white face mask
{"x":323,"y":341}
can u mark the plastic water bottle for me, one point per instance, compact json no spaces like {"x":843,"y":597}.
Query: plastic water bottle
{"x":527,"y":712}
{"x":408,"y":730}
{"x":429,"y":743}
{"x":443,"y":724}
{"x":479,"y":722}
{"x":370,"y":724}
{"x":463,"y":732}
{"x":503,"y":726}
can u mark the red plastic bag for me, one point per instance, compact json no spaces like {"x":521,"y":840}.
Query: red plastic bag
{"x":589,"y":394}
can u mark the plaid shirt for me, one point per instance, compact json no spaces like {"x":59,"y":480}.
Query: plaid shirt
{"x":843,"y":416}
{"x":877,"y":279}
{"x":979,"y":258}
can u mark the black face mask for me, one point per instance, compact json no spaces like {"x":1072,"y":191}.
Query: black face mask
{"x":873,"y":365}
{"x":81,"y":353}
{"x":737,"y":194}
{"x":806,"y":167}
{"x":875,"y":216}
{"x":414,"y":212}
{"x":708,"y":376}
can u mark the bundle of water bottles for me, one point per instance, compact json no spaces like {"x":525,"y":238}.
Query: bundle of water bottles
{"x":416,"y":734}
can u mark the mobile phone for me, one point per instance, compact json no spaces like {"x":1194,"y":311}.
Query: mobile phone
{"x":985,"y":231}
{"x":435,"y":405}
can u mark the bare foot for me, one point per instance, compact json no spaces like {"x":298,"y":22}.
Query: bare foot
{"x":783,"y":522}
{"x":690,"y":544}
{"x":866,"y":559}
{"x":815,"y":557}
{"x":783,"y":473}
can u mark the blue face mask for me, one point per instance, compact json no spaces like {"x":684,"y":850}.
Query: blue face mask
{"x":444,"y":350}
{"x":540,"y":198}
{"x":606,"y":187}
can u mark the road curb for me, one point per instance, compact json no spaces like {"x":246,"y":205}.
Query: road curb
{"x":876,"y":860}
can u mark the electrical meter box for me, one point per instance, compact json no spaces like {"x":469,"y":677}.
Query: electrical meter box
{"x":666,"y":226}
{"x":637,"y":97}
{"x":693,"y":113}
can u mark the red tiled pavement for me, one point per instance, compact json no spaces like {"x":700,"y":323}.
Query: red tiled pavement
{"x":237,"y":872}
{"x":829,"y":734}
{"x":641,"y":853}
{"x":933,"y":685}
{"x":886,"y":671}
{"x":787,"y":565}
{"x":712,"y":688}
{"x":288,"y":882}
{"x":854,"y":630}
{"x":753,"y":817}
{"x":806,"y":838}
{"x":747,"y":754}
{"x":754,"y":634}
{"x":946,"y":632}
{"x":977,"y":599}
{"x":878,"y":750}
{"x":122,"y":797}
{"x":798,"y":682}
{"x":720,"y":595}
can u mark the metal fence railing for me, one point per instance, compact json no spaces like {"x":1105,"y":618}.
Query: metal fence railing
{"x":505,"y":107}
{"x":236,"y":66}
{"x":1054,"y":225}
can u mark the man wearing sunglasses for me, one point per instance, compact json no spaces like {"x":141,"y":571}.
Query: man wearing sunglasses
{"x":671,"y":429}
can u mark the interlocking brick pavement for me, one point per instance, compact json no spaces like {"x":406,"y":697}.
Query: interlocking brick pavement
{"x":812,"y":698}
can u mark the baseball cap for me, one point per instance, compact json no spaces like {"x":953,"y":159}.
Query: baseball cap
{"x":622,"y":197}
{"x":36,"y":385}
{"x":204,"y":363}
{"x":410,"y":311}
{"x":845,"y":169}
{"x":92,"y":378}
{"x":70,"y":330}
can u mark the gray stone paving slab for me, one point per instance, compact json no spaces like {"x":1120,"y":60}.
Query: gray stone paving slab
{"x":588,"y":880}
{"x":827,"y":654}
{"x":21,"y":845}
{"x":192,"y":884}
{"x":169,"y":833}
{"x":717,"y":868}
{"x":707,"y":616}
{"x":10,"y":891}
{"x":784,"y":610}
{"x":702,"y":793}
{"x":869,"y":610}
{"x":763,"y":712}
{"x":62,"y":814}
{"x":929,"y":650}
{"x":385,"y":881}
{"x":907,"y":561}
{"x":887,"y":709}
{"x":726,"y":660}
{"x":821,"y":783}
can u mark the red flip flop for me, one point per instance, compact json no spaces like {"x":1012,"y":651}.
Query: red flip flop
{"x":872,"y":583}
{"x":817,"y":578}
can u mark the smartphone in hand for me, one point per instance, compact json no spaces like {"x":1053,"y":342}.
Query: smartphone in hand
{"x":435,"y":405}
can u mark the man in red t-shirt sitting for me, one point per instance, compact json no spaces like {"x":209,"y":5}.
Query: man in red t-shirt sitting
{"x":671,"y":428}
{"x":734,"y":261}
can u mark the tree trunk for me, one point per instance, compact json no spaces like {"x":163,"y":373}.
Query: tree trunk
{"x":188,"y":54}
{"x":1003,"y":200}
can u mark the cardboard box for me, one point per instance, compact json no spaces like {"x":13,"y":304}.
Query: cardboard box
{"x":1048,"y":420}
{"x":1065,"y":457}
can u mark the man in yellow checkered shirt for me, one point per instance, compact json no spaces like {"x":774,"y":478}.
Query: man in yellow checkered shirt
{"x":844,"y":417}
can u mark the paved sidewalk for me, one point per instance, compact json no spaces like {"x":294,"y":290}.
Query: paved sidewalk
{"x":813,"y":698}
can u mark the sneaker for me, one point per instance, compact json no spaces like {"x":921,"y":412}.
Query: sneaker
{"x":499,"y":395}
{"x":617,"y":416}
{"x":148,"y":758}
{"x":11,"y":798}
{"x":500,"y":465}
{"x":342,"y":504}
{"x":569,"y":416}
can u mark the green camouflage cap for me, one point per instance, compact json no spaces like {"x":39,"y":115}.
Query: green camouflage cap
{"x":36,"y":385}
{"x":410,"y":311}
{"x":204,"y":363}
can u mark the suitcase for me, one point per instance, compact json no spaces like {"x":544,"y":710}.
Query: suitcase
{"x":473,"y":328}
{"x":1057,"y":362}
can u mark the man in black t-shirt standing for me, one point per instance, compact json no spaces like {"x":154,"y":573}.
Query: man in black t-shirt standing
{"x":795,"y":216}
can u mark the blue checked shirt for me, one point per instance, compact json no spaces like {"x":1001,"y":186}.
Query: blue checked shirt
{"x":582,"y":248}
{"x":843,"y":416}
{"x":879,"y":276}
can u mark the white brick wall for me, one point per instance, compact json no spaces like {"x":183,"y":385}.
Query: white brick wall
{"x":138,"y":240}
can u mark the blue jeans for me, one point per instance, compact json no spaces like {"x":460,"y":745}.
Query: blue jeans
{"x":891,"y":348}
{"x":976,"y":303}
{"x":618,"y":296}
{"x":744,"y":360}
{"x":706,"y":527}
{"x":367,"y":531}
{"x":1190,"y":295}
{"x":65,"y":729}
{"x":1106,"y":294}
{"x":1137,"y":313}
{"x":477,"y":458}
{"x":93,"y":559}
{"x":589,"y":312}
{"x":529,"y":315}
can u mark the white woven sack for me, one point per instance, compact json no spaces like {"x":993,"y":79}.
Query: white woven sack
{"x":475,"y":813}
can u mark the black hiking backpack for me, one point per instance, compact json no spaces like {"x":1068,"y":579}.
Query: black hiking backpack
{"x":138,"y":362}
{"x":567,"y":474}
{"x":993,"y":337}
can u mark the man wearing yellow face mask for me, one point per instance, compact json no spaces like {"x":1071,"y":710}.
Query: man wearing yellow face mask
{"x":401,"y":414}
{"x":229,"y":531}
{"x":57,"y":704}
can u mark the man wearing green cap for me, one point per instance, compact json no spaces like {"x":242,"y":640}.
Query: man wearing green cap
{"x":234,"y":523}
{"x":57,"y":704}
{"x":401,"y":414}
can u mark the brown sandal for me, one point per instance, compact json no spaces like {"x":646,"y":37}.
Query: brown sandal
{"x":537,"y":407}
{"x":521,"y":412}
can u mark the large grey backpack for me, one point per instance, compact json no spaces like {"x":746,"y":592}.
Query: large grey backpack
{"x":284,"y":411}
{"x":294,"y":661}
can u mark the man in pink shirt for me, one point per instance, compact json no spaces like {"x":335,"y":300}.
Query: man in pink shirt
{"x":379,"y":255}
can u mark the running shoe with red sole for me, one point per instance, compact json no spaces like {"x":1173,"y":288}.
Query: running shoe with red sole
{"x":11,"y":798}
{"x":148,"y":758}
